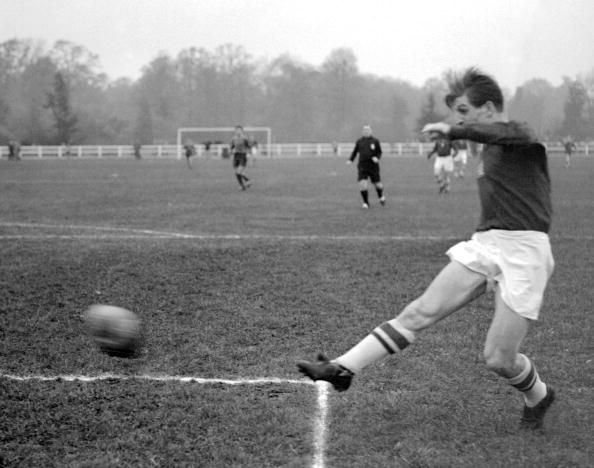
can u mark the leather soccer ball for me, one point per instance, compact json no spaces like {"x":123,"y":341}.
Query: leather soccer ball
{"x":115,"y":330}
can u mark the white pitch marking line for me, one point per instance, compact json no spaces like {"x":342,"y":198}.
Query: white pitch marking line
{"x":151,"y":234}
{"x":139,"y":234}
{"x":92,"y":228}
{"x":85,"y":236}
{"x":213,"y":237}
{"x":251,"y":237}
{"x":158,"y":378}
{"x":321,"y":424}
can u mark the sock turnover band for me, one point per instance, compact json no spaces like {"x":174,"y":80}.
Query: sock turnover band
{"x":392,"y":336}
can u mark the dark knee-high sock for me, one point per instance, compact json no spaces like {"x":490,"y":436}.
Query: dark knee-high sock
{"x":240,"y":179}
{"x":528,"y":382}
{"x":365,"y":196}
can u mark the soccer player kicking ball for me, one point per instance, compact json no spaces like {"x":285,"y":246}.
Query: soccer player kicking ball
{"x":370,"y":151}
{"x":509,"y":252}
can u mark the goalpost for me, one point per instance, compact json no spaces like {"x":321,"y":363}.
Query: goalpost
{"x":220,"y":137}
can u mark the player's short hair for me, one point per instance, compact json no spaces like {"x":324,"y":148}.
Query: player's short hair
{"x":238,"y":127}
{"x":478,"y":86}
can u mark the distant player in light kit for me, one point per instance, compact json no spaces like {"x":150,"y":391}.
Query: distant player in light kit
{"x":509,"y":253}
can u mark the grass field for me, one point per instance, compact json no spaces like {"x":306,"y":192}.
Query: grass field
{"x":233,"y":287}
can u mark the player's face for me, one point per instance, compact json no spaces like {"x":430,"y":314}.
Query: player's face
{"x":367,"y":131}
{"x":465,"y":112}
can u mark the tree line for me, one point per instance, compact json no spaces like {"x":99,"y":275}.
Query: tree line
{"x":59,"y":95}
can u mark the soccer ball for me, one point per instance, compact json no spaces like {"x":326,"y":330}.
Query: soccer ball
{"x":115,"y":330}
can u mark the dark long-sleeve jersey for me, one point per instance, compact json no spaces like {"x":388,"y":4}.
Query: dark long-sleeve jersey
{"x":366,"y":148}
{"x":240,"y":145}
{"x":443,"y":147}
{"x":514,"y":183}
{"x":569,"y":146}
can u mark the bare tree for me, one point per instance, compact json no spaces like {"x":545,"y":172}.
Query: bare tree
{"x":59,"y":103}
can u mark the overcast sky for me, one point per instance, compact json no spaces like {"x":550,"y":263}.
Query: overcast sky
{"x":515,"y":40}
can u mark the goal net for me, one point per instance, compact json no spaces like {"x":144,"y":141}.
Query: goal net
{"x":215,"y":141}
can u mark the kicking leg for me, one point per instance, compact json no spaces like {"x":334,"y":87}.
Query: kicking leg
{"x":451,"y":289}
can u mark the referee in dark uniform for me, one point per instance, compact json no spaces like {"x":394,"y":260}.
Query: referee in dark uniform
{"x":369,"y":150}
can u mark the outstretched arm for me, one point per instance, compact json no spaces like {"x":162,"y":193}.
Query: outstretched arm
{"x":436,"y":128}
{"x":497,"y":133}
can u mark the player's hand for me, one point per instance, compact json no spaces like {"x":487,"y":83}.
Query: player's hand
{"x":349,"y":162}
{"x":435,"y":129}
{"x":375,"y":159}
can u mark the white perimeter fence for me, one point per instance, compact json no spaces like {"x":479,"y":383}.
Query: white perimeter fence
{"x":280,"y":150}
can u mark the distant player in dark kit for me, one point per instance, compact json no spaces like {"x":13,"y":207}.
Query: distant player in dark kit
{"x":189,"y":152}
{"x":443,"y":167}
{"x":509,"y":254}
{"x":369,"y":150}
{"x":569,"y":147}
{"x":14,"y":150}
{"x":137,"y":147}
{"x":240,"y":146}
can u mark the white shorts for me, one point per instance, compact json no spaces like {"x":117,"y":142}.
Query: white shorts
{"x":461,"y":157}
{"x":521,"y":262}
{"x":443,"y":163}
